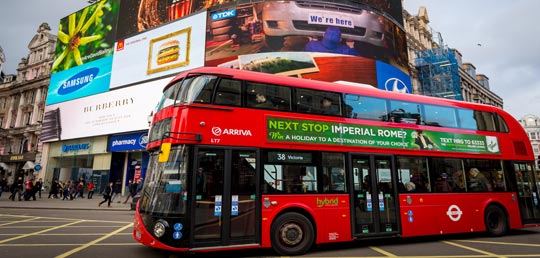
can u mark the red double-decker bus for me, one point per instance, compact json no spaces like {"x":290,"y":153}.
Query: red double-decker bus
{"x":250,"y":160}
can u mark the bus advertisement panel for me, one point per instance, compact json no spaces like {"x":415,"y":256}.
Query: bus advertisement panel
{"x":316,"y":132}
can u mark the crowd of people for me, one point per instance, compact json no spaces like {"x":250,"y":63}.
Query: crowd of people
{"x":31,"y":190}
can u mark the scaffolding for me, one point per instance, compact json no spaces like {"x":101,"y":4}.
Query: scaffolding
{"x":438,"y":72}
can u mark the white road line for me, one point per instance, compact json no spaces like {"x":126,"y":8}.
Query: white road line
{"x":66,"y":254}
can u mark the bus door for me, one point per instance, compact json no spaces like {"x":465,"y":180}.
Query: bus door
{"x":375,"y":196}
{"x":529,"y":203}
{"x":224,"y":198}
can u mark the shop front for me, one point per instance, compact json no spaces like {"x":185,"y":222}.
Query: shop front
{"x":15,"y":165}
{"x":85,"y":158}
{"x":129,"y":157}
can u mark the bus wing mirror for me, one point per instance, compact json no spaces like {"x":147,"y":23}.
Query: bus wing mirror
{"x":164,"y":152}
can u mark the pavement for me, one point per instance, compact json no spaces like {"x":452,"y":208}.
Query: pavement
{"x":76,"y":204}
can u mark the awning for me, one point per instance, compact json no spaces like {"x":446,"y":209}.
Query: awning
{"x":29,"y":165}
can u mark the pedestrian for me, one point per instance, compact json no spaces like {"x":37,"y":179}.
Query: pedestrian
{"x":139,"y":186}
{"x":13,"y":190}
{"x":3,"y":184}
{"x":131,"y":190}
{"x":117,"y":190}
{"x":90,"y":189}
{"x":79,"y":190}
{"x":65,"y":190}
{"x":19,"y":188}
{"x":80,"y":187}
{"x":28,"y":189}
{"x":107,"y":195}
{"x":38,"y":185}
{"x":55,"y":187}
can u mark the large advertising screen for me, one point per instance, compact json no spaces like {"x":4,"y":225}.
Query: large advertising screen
{"x":86,"y":35}
{"x":165,"y":50}
{"x":121,"y":110}
{"x":319,"y":40}
{"x":84,"y":53}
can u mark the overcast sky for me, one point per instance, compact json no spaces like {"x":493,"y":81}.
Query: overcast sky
{"x":500,"y":38}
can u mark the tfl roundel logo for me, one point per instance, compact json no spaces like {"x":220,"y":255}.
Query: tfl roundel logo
{"x":216,"y":131}
{"x":78,"y":81}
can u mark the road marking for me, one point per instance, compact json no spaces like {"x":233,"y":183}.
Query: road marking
{"x":39,"y":232}
{"x":472,"y":249}
{"x":18,"y":221}
{"x":68,"y":253}
{"x":40,"y":245}
{"x":499,"y":243}
{"x":381,"y":251}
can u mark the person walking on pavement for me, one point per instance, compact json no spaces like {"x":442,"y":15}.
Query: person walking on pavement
{"x":107,"y":195}
{"x":55,"y":187}
{"x":80,"y":187}
{"x":90,"y":189}
{"x":37,"y":186}
{"x":132,"y":190}
{"x":18,"y":189}
{"x":117,"y":190}
{"x":3,"y":184}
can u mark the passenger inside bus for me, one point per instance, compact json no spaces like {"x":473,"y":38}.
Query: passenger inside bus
{"x":263,"y":102}
{"x":478,"y":181}
{"x":339,"y":181}
{"x":327,"y":107}
{"x":410,"y":187}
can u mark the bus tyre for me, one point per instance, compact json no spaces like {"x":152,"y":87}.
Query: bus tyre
{"x":292,"y":234}
{"x":496,"y":221}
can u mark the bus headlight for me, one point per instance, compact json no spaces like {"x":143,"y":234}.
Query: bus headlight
{"x":160,"y":227}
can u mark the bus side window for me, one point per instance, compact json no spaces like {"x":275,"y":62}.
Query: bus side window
{"x":229,"y":93}
{"x":304,"y":101}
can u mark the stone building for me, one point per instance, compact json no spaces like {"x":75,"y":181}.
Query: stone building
{"x":22,"y":101}
{"x":444,"y":66}
{"x":531,"y":124}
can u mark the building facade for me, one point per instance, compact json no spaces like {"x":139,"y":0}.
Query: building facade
{"x":531,"y":124}
{"x":437,"y":70}
{"x":22,"y":101}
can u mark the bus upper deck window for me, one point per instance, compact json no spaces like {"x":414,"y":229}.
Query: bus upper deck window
{"x":199,"y":90}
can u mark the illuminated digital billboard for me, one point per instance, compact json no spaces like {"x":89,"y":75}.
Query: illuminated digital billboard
{"x":321,"y":40}
{"x":168,"y":49}
{"x":86,"y":35}
{"x":121,"y":110}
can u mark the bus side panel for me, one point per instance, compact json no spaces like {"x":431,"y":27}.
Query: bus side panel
{"x":433,"y":214}
{"x":330,"y":213}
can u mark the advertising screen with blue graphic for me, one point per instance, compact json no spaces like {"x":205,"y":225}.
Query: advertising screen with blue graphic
{"x":81,"y":81}
{"x":392,"y":79}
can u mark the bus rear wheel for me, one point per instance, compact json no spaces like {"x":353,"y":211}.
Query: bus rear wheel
{"x":496,"y":221}
{"x":292,"y":234}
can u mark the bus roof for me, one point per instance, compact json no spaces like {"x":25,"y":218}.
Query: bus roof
{"x":345,"y":87}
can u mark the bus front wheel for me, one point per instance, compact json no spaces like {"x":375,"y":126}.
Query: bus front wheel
{"x":292,"y":234}
{"x":496,"y":221}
